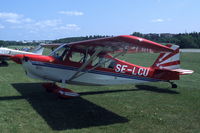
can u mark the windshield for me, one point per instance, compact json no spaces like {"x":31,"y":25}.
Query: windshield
{"x":60,"y":52}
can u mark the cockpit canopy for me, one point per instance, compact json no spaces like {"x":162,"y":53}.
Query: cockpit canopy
{"x":66,"y":53}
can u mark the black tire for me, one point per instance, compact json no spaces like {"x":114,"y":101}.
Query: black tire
{"x":174,"y":86}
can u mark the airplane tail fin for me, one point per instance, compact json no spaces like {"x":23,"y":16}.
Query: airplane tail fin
{"x":171,"y":61}
{"x":168,"y":60}
{"x":38,"y":50}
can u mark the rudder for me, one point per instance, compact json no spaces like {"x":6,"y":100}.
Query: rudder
{"x":168,"y":60}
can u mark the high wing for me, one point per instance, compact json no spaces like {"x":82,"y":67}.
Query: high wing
{"x":131,"y":44}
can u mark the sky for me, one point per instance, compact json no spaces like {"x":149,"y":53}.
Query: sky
{"x":54,"y":19}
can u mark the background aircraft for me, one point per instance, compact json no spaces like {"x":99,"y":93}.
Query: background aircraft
{"x":7,"y":53}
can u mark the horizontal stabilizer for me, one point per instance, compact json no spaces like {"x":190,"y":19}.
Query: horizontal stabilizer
{"x":183,"y":71}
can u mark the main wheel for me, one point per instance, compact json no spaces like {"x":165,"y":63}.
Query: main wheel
{"x":174,"y":86}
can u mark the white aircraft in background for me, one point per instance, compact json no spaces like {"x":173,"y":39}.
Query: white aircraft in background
{"x":7,"y":53}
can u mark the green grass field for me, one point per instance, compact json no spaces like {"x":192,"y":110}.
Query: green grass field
{"x":144,"y":108}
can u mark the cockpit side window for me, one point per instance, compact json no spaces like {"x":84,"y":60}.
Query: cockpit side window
{"x":79,"y":57}
{"x":111,"y":64}
{"x":104,"y":62}
{"x":76,"y":57}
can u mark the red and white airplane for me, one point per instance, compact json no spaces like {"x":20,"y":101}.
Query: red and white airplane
{"x":90,"y":63}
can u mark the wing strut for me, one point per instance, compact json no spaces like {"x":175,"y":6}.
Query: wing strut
{"x":86,"y":63}
{"x":78,"y":74}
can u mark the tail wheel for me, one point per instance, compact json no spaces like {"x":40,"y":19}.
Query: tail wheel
{"x":173,"y":84}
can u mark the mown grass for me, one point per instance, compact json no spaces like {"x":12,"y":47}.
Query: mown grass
{"x":151,"y":107}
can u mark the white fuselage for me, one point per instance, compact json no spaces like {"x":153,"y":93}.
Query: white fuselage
{"x":59,"y":73}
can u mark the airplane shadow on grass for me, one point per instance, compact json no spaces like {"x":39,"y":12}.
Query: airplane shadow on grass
{"x":139,"y":88}
{"x":75,"y":113}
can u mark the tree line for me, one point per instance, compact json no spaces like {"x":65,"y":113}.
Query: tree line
{"x":184,"y":40}
{"x":15,"y":43}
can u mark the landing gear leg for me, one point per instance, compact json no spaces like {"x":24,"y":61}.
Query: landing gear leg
{"x":173,"y":84}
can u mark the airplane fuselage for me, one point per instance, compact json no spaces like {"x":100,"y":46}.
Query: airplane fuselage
{"x":120,"y":74}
